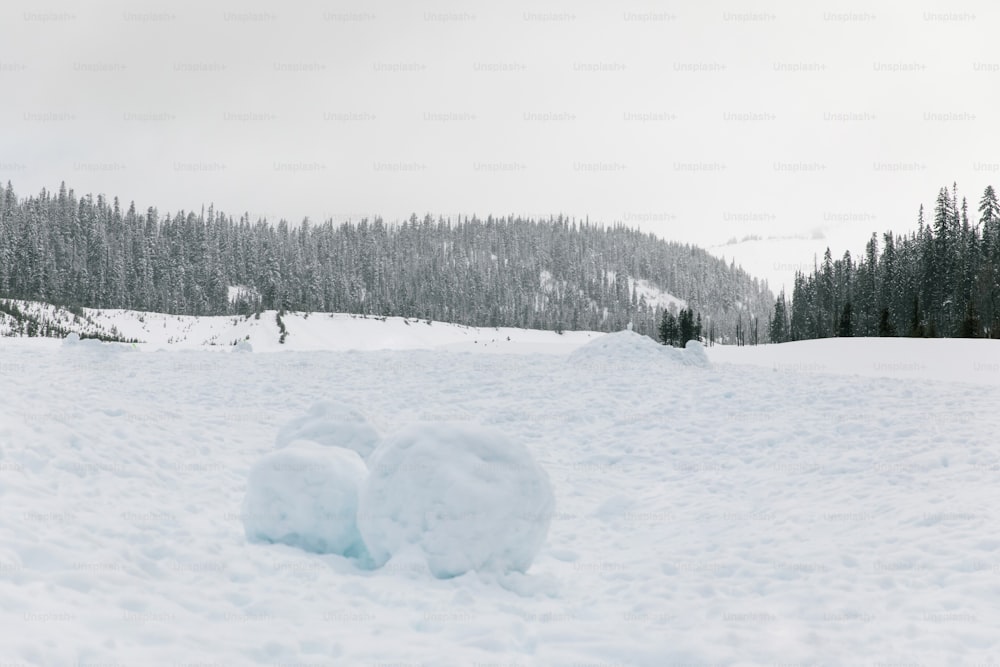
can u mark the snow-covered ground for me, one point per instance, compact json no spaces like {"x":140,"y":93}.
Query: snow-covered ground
{"x":779,"y":506}
{"x":306,"y":331}
{"x":921,"y":363}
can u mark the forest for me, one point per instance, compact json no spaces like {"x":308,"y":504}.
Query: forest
{"x":941,"y":280}
{"x":554,"y":274}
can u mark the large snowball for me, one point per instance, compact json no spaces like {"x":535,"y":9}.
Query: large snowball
{"x":331,"y":424}
{"x":306,"y":496}
{"x":465,"y":497}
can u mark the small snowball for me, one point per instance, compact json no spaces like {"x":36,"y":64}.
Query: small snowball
{"x":331,"y":424}
{"x":306,"y":496}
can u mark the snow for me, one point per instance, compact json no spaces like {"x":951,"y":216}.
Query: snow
{"x":467,"y":498}
{"x":306,"y":332}
{"x":306,"y":496}
{"x":654,"y":296}
{"x":911,"y":360}
{"x":827,"y":502}
{"x":235,"y":292}
{"x":332,"y":424}
{"x":627,"y":349}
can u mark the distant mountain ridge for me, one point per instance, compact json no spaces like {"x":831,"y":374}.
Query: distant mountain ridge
{"x":557,"y":274}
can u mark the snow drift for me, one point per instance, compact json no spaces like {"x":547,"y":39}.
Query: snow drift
{"x":464,"y":497}
{"x":627,"y":349}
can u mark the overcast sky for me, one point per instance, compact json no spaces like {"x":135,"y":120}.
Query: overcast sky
{"x":698,"y":121}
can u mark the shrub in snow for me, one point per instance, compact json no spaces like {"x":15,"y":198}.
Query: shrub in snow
{"x":306,"y":496}
{"x":331,"y":424}
{"x":464,"y":498}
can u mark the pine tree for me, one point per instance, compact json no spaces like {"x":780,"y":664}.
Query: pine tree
{"x":971,"y":326}
{"x":685,"y":323}
{"x":778,"y":330}
{"x":669,"y":332}
{"x":846,"y":326}
{"x":885,"y":326}
{"x":916,"y":321}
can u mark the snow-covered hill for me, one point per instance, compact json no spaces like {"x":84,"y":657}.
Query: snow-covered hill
{"x":305,"y":331}
{"x":776,"y":259}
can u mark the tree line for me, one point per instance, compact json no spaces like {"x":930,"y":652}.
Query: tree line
{"x":554,"y":274}
{"x":943,"y":279}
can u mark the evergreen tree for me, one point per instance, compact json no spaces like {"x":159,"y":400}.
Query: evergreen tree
{"x":685,"y":322}
{"x":885,"y":326}
{"x":669,"y":332}
{"x":845,"y":328}
{"x":917,"y":329}
{"x":778,"y":330}
{"x":971,"y":326}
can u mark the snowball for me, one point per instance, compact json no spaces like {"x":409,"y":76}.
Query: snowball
{"x":467,"y":498}
{"x":331,"y":424}
{"x":243,"y":346}
{"x":306,"y":496}
{"x":71,"y":339}
{"x":627,"y":349}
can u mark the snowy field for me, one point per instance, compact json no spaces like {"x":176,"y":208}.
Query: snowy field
{"x":784,"y":505}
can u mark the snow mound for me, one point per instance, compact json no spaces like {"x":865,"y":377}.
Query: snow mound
{"x":73,"y":341}
{"x":694,"y":354}
{"x":464,"y":497}
{"x":243,"y":346}
{"x":627,"y":349}
{"x":306,"y":496}
{"x":331,"y":424}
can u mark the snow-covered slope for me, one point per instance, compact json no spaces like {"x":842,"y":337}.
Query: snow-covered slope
{"x":306,"y":331}
{"x":654,"y":295}
{"x":730,"y":514}
{"x":776,"y":259}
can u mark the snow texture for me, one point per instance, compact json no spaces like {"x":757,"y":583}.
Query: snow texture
{"x":306,"y":496}
{"x":827,"y":502}
{"x":334,"y":425}
{"x":467,"y":498}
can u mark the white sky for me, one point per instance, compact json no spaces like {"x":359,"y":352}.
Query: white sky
{"x":336,"y":109}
